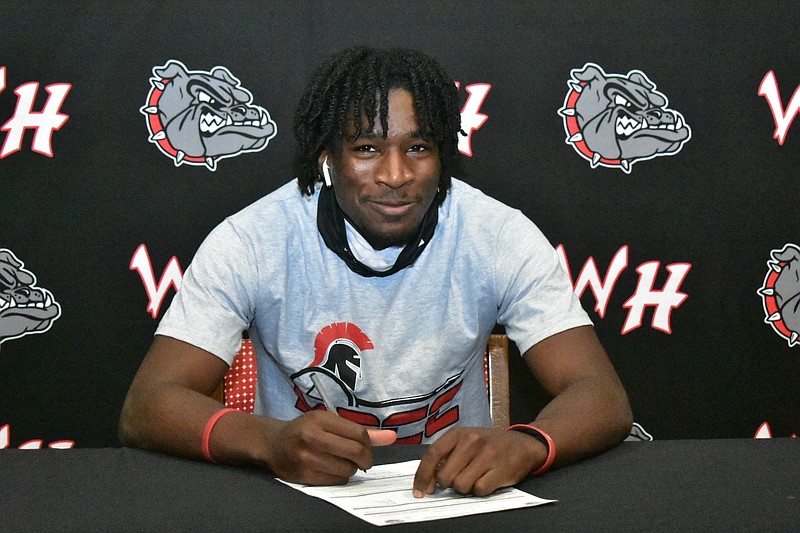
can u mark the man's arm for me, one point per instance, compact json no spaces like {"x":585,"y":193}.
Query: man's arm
{"x":169,"y":404}
{"x":589,"y":413}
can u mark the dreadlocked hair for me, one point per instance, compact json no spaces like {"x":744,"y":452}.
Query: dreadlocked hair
{"x":355,"y":83}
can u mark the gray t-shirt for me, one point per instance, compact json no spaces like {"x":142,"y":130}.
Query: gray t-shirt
{"x":404,"y":351}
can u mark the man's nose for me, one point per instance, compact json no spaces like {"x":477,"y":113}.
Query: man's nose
{"x":394,"y":170}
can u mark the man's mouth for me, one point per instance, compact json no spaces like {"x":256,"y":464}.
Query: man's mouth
{"x":392,"y":208}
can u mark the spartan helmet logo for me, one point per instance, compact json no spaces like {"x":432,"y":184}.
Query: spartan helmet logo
{"x":344,"y":361}
{"x":338,"y":348}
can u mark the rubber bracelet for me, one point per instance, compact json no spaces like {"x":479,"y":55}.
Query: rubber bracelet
{"x":542,"y":437}
{"x":205,"y":441}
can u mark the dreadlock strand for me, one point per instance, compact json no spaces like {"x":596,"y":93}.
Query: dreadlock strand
{"x":354,"y":85}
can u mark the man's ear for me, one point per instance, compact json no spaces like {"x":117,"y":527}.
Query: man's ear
{"x":324,"y":168}
{"x":323,"y":155}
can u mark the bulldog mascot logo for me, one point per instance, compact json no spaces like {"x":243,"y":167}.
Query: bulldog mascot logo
{"x":24,"y":307}
{"x":614,"y":120}
{"x":780,"y":293}
{"x":198,"y":117}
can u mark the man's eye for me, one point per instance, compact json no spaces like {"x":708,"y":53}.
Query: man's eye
{"x":418,"y":148}
{"x":366,"y":148}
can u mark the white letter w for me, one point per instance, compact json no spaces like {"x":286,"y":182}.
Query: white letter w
{"x":172,"y":276}
{"x":783,"y":118}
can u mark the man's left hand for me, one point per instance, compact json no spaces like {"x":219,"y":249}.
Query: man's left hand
{"x":478,"y":461}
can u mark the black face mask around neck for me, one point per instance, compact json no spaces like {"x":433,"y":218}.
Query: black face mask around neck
{"x":330,"y":222}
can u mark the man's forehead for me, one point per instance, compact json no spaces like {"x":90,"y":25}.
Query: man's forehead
{"x":403,"y":124}
{"x":376,"y":132}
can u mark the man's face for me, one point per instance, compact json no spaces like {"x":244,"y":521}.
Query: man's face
{"x":385,"y":186}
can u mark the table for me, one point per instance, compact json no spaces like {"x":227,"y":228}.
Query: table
{"x":670,"y":485}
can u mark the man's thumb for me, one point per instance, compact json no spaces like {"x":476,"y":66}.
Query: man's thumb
{"x":381,"y":437}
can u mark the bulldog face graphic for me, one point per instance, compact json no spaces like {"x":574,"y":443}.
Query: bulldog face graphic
{"x":198,"y":117}
{"x":24,"y":307}
{"x":614,"y":120}
{"x":781,"y":292}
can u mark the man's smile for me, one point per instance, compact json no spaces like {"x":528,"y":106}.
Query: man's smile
{"x":393,"y":208}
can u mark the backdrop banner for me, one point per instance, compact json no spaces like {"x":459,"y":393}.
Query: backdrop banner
{"x":652,"y":142}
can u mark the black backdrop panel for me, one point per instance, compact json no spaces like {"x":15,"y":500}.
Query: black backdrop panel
{"x":681,"y":244}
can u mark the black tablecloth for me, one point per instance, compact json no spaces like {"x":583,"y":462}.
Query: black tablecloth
{"x":694,"y":485}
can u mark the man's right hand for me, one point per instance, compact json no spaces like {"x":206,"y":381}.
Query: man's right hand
{"x":169,"y":404}
{"x":320,"y":448}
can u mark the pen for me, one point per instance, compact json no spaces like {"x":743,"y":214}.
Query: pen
{"x":332,"y":408}
{"x":325,"y":398}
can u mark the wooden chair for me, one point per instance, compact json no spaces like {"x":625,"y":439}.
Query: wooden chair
{"x":238,"y":388}
{"x":496,"y":372}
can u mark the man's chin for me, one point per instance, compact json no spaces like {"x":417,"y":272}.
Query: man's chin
{"x":387,"y":239}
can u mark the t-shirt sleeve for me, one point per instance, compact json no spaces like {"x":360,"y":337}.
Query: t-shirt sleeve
{"x":215,"y":301}
{"x":536,"y":299}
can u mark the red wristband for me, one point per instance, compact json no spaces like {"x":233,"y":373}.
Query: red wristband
{"x":204,"y":442}
{"x":542,"y":437}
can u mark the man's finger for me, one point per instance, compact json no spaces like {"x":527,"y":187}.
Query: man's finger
{"x":459,"y":463}
{"x":381,"y":437}
{"x":488,"y":483}
{"x":425,"y":477}
{"x":336,"y":468}
{"x":339,"y":437}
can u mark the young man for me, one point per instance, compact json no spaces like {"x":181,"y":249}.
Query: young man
{"x":378,"y":281}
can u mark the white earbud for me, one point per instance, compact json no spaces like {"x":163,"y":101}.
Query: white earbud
{"x":326,"y":172}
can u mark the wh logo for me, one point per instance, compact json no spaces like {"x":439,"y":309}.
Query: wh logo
{"x":471,"y":117}
{"x":664,"y":300}
{"x":783,"y":117}
{"x":171,"y":277}
{"x":33,"y":444}
{"x":43,"y":122}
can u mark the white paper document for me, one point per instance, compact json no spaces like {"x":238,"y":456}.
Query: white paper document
{"x":382,"y":496}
